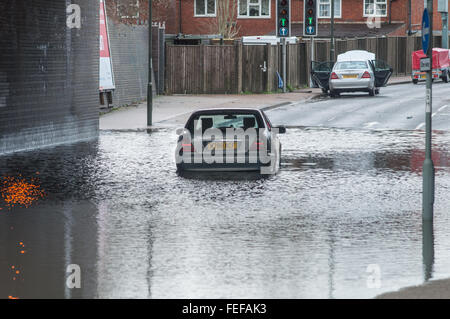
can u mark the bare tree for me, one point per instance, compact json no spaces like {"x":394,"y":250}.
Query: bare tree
{"x":225,"y":21}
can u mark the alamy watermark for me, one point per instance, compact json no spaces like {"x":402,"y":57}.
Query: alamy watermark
{"x":74,"y":278}
{"x":73,"y":16}
{"x":373,"y":20}
{"x":374,"y":277}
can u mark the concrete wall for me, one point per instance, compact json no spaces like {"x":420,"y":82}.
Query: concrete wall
{"x":48,"y":74}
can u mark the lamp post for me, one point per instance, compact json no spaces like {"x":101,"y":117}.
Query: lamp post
{"x":332,"y":32}
{"x":150,"y":68}
{"x":428,"y":166}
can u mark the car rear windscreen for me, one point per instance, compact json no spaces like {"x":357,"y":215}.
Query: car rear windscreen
{"x":224,"y":121}
{"x":351,"y":65}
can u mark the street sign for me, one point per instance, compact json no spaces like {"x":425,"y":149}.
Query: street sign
{"x":425,"y":64}
{"x":310,"y":18}
{"x":425,"y":31}
{"x":283,"y":18}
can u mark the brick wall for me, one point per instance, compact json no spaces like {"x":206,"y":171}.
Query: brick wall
{"x":48,"y":74}
{"x":127,"y":12}
{"x":352,"y":12}
{"x":168,"y":11}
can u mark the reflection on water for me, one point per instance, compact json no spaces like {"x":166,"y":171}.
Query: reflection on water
{"x":343,"y":200}
{"x":427,"y":249}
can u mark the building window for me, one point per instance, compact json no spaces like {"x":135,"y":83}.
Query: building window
{"x":325,"y":8}
{"x":205,"y":8}
{"x":376,"y":8}
{"x":254,"y":9}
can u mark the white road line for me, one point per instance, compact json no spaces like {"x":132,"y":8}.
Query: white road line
{"x":370,"y":124}
{"x":442,"y":107}
{"x":432,"y":115}
{"x":419,"y":126}
{"x":331,"y":119}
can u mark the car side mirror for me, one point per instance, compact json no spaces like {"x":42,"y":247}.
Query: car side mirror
{"x":281,"y":129}
{"x":180,"y":131}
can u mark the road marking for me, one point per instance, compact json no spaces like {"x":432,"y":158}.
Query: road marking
{"x":331,"y":119}
{"x":442,"y":107}
{"x":432,"y":115}
{"x":370,"y":124}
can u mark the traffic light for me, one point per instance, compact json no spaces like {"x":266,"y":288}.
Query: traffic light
{"x":283,"y":18}
{"x":310,"y":18}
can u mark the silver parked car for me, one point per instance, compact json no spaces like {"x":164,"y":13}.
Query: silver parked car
{"x":351,"y":74}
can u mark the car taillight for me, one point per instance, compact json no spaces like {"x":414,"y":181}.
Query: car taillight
{"x":334,"y":76}
{"x":366,"y":75}
{"x":188,"y":147}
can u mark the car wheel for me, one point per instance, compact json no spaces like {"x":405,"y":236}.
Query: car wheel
{"x":415,"y":81}
{"x":334,"y":93}
{"x":445,"y":78}
{"x":372,"y":92}
{"x":377,"y":91}
{"x":324,"y":90}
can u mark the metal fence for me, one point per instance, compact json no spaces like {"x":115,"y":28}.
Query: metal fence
{"x":231,"y":69}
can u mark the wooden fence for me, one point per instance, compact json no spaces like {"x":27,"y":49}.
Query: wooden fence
{"x":232,"y":69}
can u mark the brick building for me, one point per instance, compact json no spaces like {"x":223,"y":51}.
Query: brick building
{"x":257,"y":17}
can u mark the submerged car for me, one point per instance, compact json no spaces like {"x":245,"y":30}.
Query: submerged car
{"x":229,"y":140}
{"x":354,"y":71}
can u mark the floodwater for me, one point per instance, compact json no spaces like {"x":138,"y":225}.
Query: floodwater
{"x":344,"y":203}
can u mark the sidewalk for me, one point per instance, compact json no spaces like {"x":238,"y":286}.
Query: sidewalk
{"x":436,"y":289}
{"x":174,"y":110}
{"x":400,"y":80}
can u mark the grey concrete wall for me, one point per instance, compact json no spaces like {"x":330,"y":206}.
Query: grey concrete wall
{"x":48,"y":74}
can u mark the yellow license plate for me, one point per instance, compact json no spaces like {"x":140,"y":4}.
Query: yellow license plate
{"x":423,"y":76}
{"x":222,"y":146}
{"x":350,"y":76}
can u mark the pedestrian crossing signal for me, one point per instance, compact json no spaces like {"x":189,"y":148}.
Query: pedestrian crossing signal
{"x":310,"y":18}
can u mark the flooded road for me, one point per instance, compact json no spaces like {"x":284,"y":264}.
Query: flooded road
{"x":344,"y":202}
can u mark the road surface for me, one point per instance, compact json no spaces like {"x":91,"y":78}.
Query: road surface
{"x":342,"y":218}
{"x":397,"y":107}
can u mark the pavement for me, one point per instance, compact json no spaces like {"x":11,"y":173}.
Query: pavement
{"x":174,"y":110}
{"x":438,"y":289}
{"x":177,"y":108}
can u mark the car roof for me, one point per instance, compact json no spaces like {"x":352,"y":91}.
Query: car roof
{"x":356,"y":55}
{"x":227,"y":110}
{"x":213,"y":111}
